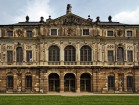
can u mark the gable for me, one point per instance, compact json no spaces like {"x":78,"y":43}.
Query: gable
{"x":69,"y":20}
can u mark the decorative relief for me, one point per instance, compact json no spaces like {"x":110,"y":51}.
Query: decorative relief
{"x":110,"y":46}
{"x":69,"y":20}
{"x":28,"y":47}
{"x":129,"y":47}
{"x":20,"y":33}
{"x":120,"y":33}
{"x":9,"y":47}
{"x":70,"y":31}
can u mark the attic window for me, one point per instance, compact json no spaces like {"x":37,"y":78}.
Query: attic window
{"x":110,"y":33}
{"x":54,"y":32}
{"x":10,"y":33}
{"x":85,"y":31}
{"x":129,"y":33}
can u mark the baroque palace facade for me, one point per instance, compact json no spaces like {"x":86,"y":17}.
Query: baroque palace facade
{"x":69,"y":54}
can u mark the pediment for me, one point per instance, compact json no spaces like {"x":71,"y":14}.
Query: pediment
{"x":69,"y":19}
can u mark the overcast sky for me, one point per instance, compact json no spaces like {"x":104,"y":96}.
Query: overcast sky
{"x":124,"y":11}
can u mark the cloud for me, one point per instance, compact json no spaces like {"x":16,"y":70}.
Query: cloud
{"x":34,"y":9}
{"x":130,"y":17}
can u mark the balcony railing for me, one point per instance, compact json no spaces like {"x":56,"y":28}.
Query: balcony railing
{"x":85,"y":63}
{"x":54,"y":62}
{"x":70,"y":63}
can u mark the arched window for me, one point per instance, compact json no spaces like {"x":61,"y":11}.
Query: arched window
{"x":10,"y":82}
{"x":54,"y":82}
{"x":54,"y":54}
{"x":19,"y":55}
{"x":85,"y":82}
{"x":120,"y":54}
{"x":69,"y":82}
{"x":70,"y":54}
{"x":111,"y":82}
{"x":85,"y":54}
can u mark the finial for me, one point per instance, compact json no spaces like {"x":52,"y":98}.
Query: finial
{"x":27,"y":18}
{"x":110,"y":18}
{"x":49,"y":16}
{"x":98,"y":19}
{"x":69,"y":9}
{"x":89,"y":18}
{"x":42,"y":19}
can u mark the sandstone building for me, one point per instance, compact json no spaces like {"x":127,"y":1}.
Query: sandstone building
{"x":69,"y":54}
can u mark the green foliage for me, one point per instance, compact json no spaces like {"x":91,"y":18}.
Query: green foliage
{"x":66,"y":100}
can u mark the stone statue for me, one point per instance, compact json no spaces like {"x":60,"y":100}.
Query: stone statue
{"x":69,"y":8}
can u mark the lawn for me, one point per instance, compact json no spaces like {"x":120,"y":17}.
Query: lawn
{"x":66,"y":100}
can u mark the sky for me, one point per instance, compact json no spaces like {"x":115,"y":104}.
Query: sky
{"x":124,"y":11}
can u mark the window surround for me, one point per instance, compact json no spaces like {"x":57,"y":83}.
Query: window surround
{"x":50,"y":33}
{"x":126,"y":33}
{"x":108,"y":32}
{"x":85,"y":29}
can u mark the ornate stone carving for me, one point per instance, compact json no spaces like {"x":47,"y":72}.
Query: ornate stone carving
{"x":20,"y":33}
{"x":120,"y":33}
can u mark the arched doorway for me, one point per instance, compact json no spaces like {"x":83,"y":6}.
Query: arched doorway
{"x":54,"y":82}
{"x":111,"y":82}
{"x":85,"y":82}
{"x":69,"y":82}
{"x":10,"y":82}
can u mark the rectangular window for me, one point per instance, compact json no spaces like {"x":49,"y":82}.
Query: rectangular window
{"x":85,"y":31}
{"x":29,"y":33}
{"x":54,"y":32}
{"x":29,"y":56}
{"x":110,"y":33}
{"x":129,"y":33}
{"x":9,"y":56}
{"x":130,"y":56}
{"x":110,"y":56}
{"x":10,"y":33}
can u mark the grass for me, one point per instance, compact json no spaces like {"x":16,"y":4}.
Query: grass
{"x":66,"y":100}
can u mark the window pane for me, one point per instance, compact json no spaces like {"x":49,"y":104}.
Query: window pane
{"x":28,"y":81}
{"x":85,"y":31}
{"x":70,"y":53}
{"x":85,"y":53}
{"x":29,"y":56}
{"x":130,"y":56}
{"x":109,"y":33}
{"x":54,"y":53}
{"x":110,"y":56}
{"x":120,"y":54}
{"x":29,"y":33}
{"x":129,"y":33}
{"x":10,"y":33}
{"x":9,"y":56}
{"x":19,"y":54}
{"x":53,"y":31}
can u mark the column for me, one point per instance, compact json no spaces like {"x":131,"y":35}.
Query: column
{"x":78,"y":53}
{"x":61,"y":53}
{"x":78,"y":82}
{"x":23,"y":82}
{"x":15,"y":83}
{"x":61,"y":82}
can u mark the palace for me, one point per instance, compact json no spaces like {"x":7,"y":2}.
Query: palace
{"x":69,"y":54}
